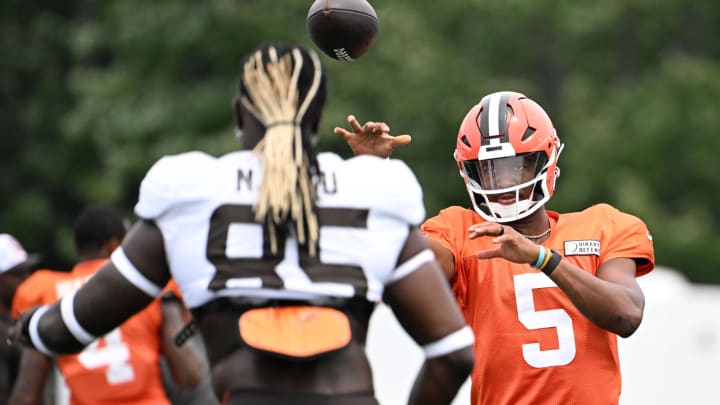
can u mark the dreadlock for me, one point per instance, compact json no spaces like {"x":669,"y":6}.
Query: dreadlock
{"x":272,"y":90}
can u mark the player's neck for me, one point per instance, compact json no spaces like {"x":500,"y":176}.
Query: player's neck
{"x":536,"y":227}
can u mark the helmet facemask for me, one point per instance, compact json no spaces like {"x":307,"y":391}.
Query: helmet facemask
{"x":508,"y":188}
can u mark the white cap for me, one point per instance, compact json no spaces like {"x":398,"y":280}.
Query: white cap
{"x":12,"y":253}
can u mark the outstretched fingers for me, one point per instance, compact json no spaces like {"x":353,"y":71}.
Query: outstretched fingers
{"x":354,"y":123}
{"x":488,"y":229}
{"x":375,"y":128}
{"x":489,"y":253}
{"x":400,"y":140}
{"x":355,"y":127}
{"x":510,"y":244}
{"x":343,"y":132}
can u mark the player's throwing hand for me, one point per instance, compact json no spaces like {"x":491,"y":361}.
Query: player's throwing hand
{"x":512,"y":245}
{"x":371,"y":138}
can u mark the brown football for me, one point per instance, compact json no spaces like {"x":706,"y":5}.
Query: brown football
{"x":342,"y":29}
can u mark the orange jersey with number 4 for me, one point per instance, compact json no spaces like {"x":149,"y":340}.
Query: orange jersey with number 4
{"x":122,"y":367}
{"x":532,"y":345}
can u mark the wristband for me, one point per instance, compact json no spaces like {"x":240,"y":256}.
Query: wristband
{"x":541,"y":257}
{"x":185,"y":333}
{"x":552,"y":263}
{"x":548,"y":255}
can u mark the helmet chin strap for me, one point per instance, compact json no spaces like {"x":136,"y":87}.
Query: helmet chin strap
{"x":501,"y":213}
{"x":510,"y":210}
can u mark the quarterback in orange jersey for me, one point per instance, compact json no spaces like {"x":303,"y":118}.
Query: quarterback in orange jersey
{"x":546,"y":294}
{"x":124,"y":365}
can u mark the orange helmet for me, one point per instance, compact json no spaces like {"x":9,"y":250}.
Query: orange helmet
{"x":507,"y":151}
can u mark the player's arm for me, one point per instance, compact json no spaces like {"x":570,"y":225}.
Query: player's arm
{"x":186,"y":362}
{"x":132,"y":278}
{"x":613,"y":300}
{"x":444,"y":257}
{"x":439,"y":234}
{"x":421,"y":300}
{"x":30,"y":382}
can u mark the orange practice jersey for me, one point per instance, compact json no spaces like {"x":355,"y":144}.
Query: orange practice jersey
{"x":122,"y":367}
{"x":532,"y":345}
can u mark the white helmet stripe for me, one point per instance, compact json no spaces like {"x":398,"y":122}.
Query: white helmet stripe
{"x":493,"y":118}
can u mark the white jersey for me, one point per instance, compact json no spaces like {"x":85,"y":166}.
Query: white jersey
{"x":203,"y":207}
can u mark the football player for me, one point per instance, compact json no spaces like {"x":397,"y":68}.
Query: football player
{"x":122,"y":366}
{"x":281,"y":253}
{"x":546,"y":293}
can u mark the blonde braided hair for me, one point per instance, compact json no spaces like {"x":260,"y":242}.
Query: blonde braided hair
{"x":287,"y":189}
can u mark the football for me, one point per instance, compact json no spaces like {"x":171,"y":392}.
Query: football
{"x":342,"y":29}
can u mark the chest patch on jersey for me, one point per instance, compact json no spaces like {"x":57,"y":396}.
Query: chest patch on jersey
{"x":299,"y":332}
{"x":582,"y":248}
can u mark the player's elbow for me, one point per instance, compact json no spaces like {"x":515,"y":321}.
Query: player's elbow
{"x":460,"y":362}
{"x":628,"y":322}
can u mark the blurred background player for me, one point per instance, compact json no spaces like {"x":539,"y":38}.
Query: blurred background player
{"x":546,"y":294}
{"x":281,"y":253}
{"x":123,"y":366}
{"x":15,"y":266}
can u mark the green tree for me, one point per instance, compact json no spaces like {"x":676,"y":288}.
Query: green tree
{"x":106,"y":88}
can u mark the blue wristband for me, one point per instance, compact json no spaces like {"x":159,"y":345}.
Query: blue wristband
{"x":541,"y":258}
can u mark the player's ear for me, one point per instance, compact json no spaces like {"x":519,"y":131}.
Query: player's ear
{"x":237,"y":112}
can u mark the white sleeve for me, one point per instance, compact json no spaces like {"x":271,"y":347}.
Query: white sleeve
{"x":167,"y":182}
{"x":402,"y":192}
{"x":395,"y":190}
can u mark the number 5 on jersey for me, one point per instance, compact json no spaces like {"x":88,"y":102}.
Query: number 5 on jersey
{"x":552,"y":318}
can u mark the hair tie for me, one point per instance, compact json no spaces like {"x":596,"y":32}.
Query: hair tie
{"x":280,"y":123}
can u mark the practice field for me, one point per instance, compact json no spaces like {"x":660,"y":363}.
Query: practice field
{"x":674,"y":358}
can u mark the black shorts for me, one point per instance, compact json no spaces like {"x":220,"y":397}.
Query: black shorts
{"x":276,"y":398}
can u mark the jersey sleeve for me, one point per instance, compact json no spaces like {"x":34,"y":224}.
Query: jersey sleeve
{"x":440,"y":229}
{"x":392,"y":187}
{"x":403,"y":194}
{"x":165,"y":183}
{"x":29,"y":294}
{"x":445,"y":228}
{"x":630,"y":238}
